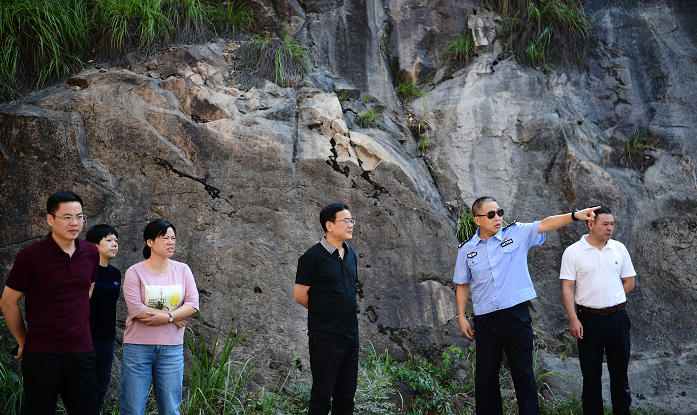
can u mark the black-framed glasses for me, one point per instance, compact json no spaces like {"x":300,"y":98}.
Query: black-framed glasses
{"x":490,"y":214}
{"x":69,"y":219}
{"x":346,"y":221}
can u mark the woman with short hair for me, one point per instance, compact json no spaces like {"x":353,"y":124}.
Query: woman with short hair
{"x":160,"y":294}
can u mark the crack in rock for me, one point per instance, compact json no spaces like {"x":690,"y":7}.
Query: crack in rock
{"x":212,"y":191}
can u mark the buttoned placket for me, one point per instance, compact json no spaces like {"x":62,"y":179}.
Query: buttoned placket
{"x":494,"y":275}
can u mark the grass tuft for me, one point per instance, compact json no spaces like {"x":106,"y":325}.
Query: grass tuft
{"x":367,"y":118}
{"x":229,"y":16}
{"x":408,"y":88}
{"x":42,"y":41}
{"x":460,"y":48}
{"x":282,"y":61}
{"x":543,"y":33}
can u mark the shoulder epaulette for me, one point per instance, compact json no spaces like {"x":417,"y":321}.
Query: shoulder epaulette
{"x":465,"y":241}
{"x":510,"y":224}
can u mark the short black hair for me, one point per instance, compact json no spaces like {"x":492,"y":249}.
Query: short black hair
{"x":328,"y":214}
{"x":61,"y":197}
{"x":602,"y":210}
{"x":477,"y":205}
{"x":153,"y":230}
{"x":99,"y":232}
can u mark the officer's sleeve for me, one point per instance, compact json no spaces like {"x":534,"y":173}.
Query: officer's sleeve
{"x":531,"y":235}
{"x":568,"y":266}
{"x":627,"y":269}
{"x":307,"y":268}
{"x":462,"y":270}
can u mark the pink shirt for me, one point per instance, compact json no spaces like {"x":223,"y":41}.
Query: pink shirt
{"x":168,"y":291}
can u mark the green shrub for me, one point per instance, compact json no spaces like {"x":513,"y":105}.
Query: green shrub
{"x":544,"y":32}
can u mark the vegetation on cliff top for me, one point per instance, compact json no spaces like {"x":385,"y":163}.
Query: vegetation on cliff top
{"x":544,"y":32}
{"x":44,"y":40}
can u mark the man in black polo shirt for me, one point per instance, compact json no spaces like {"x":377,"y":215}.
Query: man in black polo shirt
{"x":56,"y":276}
{"x":325,"y":284}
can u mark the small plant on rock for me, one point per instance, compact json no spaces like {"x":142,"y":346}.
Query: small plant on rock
{"x":460,"y":47}
{"x":367,"y":118}
{"x":408,"y":88}
{"x":425,"y":142}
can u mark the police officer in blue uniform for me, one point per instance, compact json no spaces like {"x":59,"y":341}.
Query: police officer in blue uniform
{"x":493,"y":265}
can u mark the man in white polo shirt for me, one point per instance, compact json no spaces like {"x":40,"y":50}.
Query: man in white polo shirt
{"x":601,"y":271}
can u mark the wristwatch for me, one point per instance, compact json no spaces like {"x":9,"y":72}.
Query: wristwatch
{"x":573,"y":216}
{"x":171,"y":319}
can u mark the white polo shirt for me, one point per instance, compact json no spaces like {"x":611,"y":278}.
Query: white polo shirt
{"x":598,"y":273}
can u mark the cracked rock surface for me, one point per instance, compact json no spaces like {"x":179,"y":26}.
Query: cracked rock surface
{"x":243,"y":172}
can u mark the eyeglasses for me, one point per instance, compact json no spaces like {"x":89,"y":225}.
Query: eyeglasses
{"x":68,"y":218}
{"x":490,"y":214}
{"x":346,"y":221}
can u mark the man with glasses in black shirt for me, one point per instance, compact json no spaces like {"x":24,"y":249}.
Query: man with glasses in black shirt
{"x":325,"y":284}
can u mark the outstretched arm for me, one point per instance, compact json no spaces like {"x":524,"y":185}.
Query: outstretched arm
{"x":461,"y":294}
{"x":551,"y":223}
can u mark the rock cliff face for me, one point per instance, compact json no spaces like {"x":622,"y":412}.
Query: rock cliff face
{"x":244,"y":173}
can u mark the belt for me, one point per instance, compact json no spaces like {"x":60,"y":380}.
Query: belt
{"x":603,"y":311}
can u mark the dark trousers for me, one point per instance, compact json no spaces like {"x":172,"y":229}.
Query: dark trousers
{"x":607,"y":334}
{"x":334,"y":376}
{"x":104,"y":351}
{"x":71,"y":375}
{"x":508,"y":330}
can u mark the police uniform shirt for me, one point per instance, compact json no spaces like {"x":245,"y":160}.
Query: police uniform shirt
{"x":598,"y":272}
{"x":497,"y":268}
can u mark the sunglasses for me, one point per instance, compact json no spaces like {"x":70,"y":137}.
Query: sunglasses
{"x":490,"y":214}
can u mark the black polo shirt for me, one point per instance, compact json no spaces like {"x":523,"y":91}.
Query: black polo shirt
{"x":332,"y":305}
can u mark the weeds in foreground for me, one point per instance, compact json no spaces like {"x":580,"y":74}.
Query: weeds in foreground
{"x":367,"y":118}
{"x":433,"y":383}
{"x":569,"y":347}
{"x":11,"y":384}
{"x":214,"y":381}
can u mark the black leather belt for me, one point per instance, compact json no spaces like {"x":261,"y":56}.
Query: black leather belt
{"x":602,"y":311}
